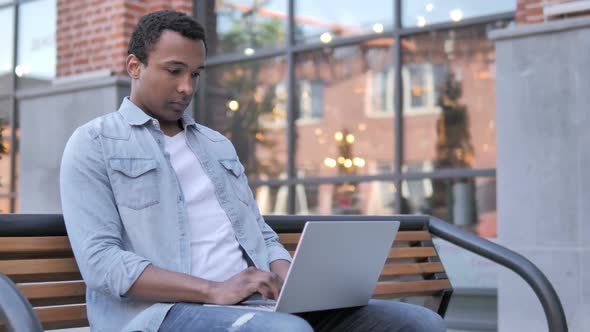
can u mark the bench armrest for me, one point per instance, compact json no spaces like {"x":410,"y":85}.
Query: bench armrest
{"x":547,"y":295}
{"x":16,"y":313}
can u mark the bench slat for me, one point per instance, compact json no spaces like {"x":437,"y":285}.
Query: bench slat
{"x":40,"y":244}
{"x":410,"y":269}
{"x":404,"y":252}
{"x":48,"y":290}
{"x":60,"y":317}
{"x":412,"y":252}
{"x":407,"y":288}
{"x":15,"y":268}
{"x":403,"y":236}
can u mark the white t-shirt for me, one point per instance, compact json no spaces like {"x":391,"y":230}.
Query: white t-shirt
{"x":215,"y":252}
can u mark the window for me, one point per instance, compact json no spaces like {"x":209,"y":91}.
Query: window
{"x":310,"y":100}
{"x":380,"y":94}
{"x":421,"y":83}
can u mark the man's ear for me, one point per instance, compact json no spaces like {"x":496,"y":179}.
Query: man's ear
{"x":133,"y":66}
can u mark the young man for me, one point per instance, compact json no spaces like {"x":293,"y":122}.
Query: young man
{"x":160,"y":216}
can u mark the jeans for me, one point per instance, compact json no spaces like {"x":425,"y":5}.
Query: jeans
{"x":377,"y":316}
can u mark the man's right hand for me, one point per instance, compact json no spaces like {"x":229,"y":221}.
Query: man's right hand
{"x":244,"y":284}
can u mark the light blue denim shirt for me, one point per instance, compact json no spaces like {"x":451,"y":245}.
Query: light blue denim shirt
{"x":124,"y":209}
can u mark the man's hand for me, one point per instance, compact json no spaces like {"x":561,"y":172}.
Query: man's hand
{"x":244,"y":284}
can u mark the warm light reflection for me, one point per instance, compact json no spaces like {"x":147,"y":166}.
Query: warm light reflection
{"x":358,"y":162}
{"x":326,"y":37}
{"x":318,"y":131}
{"x":421,"y":21}
{"x":362,"y":126}
{"x":329,"y":162}
{"x":378,"y":28}
{"x":349,"y":138}
{"x":233,"y":105}
{"x":341,"y":160}
{"x":338,"y":136}
{"x":348,"y":163}
{"x":23,"y":69}
{"x":456,"y":15}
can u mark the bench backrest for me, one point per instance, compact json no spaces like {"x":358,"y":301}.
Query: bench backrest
{"x":44,"y":269}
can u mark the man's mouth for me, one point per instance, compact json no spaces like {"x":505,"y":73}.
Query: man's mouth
{"x":180,"y":104}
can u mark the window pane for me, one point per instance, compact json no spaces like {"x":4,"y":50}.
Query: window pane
{"x":5,"y":131}
{"x":244,"y":26}
{"x":344,"y":110}
{"x":424,"y":12}
{"x":367,"y":198}
{"x":271,"y":200}
{"x":247,"y":103}
{"x":6,"y":51}
{"x":4,"y":205}
{"x":467,"y":203}
{"x":36,"y":43}
{"x":449,"y":94}
{"x":322,"y":21}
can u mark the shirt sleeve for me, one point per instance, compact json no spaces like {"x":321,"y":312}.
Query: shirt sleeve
{"x":92,"y":219}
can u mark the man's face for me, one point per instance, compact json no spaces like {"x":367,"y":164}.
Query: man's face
{"x":165,"y":86}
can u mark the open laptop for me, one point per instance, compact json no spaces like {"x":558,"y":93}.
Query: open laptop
{"x":336,"y":265}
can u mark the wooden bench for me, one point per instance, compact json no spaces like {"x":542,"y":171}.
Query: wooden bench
{"x":36,"y":255}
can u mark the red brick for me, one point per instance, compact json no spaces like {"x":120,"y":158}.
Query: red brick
{"x":531,"y":11}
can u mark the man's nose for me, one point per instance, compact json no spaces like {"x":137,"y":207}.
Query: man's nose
{"x":186,"y":85}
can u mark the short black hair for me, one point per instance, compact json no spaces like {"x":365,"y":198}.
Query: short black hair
{"x":150,"y":27}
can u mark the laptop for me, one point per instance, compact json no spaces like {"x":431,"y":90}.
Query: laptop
{"x":336,"y":265}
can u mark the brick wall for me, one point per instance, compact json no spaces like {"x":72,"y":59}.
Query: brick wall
{"x":531,"y":11}
{"x":93,"y":34}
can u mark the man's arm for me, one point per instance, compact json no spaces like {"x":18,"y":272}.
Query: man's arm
{"x":159,"y":285}
{"x":92,"y":220}
{"x":280,"y":267}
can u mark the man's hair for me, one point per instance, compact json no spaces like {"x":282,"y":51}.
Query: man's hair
{"x":150,"y":28}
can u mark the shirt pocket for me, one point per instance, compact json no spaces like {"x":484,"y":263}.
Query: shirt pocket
{"x":237,"y":179}
{"x":135,"y":182}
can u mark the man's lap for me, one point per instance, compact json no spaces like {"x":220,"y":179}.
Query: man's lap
{"x":377,"y":316}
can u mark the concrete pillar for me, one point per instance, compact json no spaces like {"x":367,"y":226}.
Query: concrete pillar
{"x":543,"y":162}
{"x":47,"y":117}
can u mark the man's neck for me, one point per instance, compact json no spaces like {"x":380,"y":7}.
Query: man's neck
{"x":171,"y":128}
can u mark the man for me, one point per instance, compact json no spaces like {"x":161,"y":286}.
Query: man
{"x":160,"y":216}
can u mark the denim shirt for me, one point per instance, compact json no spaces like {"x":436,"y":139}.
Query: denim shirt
{"x":124,"y":209}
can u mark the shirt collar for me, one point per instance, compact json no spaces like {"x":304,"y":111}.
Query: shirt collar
{"x":135,"y":116}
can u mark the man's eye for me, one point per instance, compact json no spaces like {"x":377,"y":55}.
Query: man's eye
{"x":195,"y":75}
{"x":174,"y":71}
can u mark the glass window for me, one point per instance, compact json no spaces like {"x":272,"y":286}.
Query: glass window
{"x":420,"y":13}
{"x":322,"y":21}
{"x":6,"y":51}
{"x":4,"y":204}
{"x":468,"y":203}
{"x":36,"y":60}
{"x":340,"y":106}
{"x":448,"y":84}
{"x":5,"y":132}
{"x":369,"y":198}
{"x":244,"y":26}
{"x":247,"y":103}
